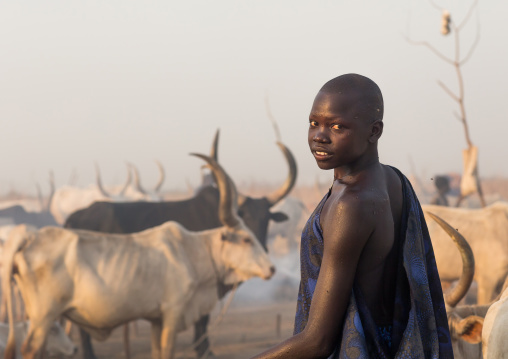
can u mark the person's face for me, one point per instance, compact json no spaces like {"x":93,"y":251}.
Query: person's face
{"x":338,"y":135}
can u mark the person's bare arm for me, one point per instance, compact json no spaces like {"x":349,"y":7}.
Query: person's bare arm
{"x":346,"y":229}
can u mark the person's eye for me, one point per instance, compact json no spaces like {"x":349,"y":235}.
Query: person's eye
{"x":313,"y":123}
{"x":337,"y":126}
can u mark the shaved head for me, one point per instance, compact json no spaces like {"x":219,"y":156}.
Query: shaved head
{"x":368,"y":100}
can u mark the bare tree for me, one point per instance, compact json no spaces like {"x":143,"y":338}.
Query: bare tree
{"x":470,"y":179}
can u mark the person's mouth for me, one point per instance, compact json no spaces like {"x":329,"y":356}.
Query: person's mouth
{"x":322,"y":155}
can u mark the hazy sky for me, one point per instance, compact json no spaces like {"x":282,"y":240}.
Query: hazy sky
{"x":116,"y":81}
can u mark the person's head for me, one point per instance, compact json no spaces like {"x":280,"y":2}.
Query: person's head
{"x":346,"y":121}
{"x":442,"y":184}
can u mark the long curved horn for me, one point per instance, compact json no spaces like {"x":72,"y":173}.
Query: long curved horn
{"x":162,"y":177}
{"x":99,"y":182}
{"x":51,"y":189}
{"x":283,"y":191}
{"x":137,"y":181}
{"x":215,"y":146}
{"x":459,"y":291}
{"x":127,"y":183}
{"x":214,"y":153}
{"x":228,"y":193}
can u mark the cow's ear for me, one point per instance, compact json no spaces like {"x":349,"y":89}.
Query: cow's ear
{"x":278,"y":216}
{"x":470,"y":329}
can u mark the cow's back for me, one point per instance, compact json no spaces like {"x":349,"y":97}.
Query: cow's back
{"x":149,"y":268}
{"x":486,"y":231}
{"x":107,"y":279}
{"x":132,"y":217}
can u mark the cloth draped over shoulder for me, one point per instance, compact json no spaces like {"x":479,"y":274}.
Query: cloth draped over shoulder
{"x":420,"y":326}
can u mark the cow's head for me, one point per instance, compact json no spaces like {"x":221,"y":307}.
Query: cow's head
{"x":236,"y":251}
{"x":255,"y":212}
{"x":465,"y":322}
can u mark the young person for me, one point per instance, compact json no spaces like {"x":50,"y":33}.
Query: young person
{"x":369,"y":283}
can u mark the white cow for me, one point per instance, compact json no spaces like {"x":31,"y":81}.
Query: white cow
{"x":495,"y":330}
{"x":465,"y":322}
{"x":58,"y":343}
{"x":477,"y":328}
{"x":69,"y":199}
{"x":486,"y":231}
{"x":166,"y":274}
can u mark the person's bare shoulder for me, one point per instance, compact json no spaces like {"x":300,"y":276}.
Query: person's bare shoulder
{"x":352,"y":214}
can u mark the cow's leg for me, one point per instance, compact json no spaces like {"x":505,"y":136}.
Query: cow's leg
{"x":168,"y":335}
{"x":33,"y":346}
{"x":20,"y":304}
{"x":156,"y":339}
{"x":135,"y":326}
{"x":199,"y":331}
{"x":3,"y":309}
{"x":126,"y":343}
{"x":86,"y":345}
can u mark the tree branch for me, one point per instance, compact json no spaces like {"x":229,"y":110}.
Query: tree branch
{"x":468,"y":15}
{"x":448,"y":91}
{"x":432,"y":48}
{"x":457,"y":44}
{"x":457,"y":116}
{"x":435,"y":5}
{"x":473,"y":47}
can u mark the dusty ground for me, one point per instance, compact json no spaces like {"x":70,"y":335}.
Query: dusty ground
{"x":245,"y":330}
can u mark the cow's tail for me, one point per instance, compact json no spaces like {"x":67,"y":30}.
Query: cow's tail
{"x":16,"y":240}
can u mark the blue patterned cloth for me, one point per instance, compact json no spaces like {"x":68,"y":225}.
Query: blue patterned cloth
{"x":419,"y":328}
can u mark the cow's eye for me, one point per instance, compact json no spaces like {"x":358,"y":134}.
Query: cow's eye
{"x":247,"y":240}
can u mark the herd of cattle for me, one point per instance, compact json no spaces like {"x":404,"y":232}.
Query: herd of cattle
{"x":101,"y":260}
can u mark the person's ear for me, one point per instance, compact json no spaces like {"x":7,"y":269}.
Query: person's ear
{"x":376,"y":130}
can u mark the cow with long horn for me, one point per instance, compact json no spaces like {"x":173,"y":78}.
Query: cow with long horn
{"x":479,"y":328}
{"x":486,"y":230}
{"x":465,"y":321}
{"x":197,"y":213}
{"x":184,"y":268}
{"x":68,"y":199}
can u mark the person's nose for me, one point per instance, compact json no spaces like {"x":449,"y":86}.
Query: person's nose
{"x":320,"y":136}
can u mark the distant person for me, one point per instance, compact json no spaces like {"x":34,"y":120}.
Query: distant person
{"x":369,"y":283}
{"x":442,"y":184}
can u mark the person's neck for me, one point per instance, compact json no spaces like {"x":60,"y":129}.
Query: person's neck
{"x":350,"y":173}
